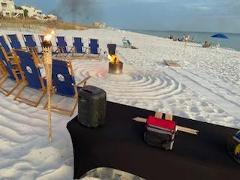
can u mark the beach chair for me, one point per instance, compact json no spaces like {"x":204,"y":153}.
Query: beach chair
{"x":30,"y":43}
{"x":11,"y":70}
{"x":111,"y":49}
{"x":94,"y":47}
{"x":14,"y":42}
{"x":62,"y":46}
{"x":32,"y":77}
{"x":4,"y":44}
{"x":78,"y":46}
{"x":64,"y":84}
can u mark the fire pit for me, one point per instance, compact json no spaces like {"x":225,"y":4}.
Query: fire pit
{"x":115,"y":65}
{"x":115,"y":68}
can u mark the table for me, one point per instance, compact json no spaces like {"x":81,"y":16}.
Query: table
{"x":119,"y":144}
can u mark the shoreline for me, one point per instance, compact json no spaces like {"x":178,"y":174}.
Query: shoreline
{"x":154,"y":33}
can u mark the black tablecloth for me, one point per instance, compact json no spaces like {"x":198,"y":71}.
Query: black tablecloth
{"x":119,"y":144}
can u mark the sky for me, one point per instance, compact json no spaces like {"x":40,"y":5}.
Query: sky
{"x":178,"y":15}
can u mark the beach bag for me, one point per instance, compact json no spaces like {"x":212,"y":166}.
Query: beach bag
{"x":160,"y":132}
{"x":91,"y":106}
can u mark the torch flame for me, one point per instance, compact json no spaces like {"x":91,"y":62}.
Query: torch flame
{"x":49,"y":36}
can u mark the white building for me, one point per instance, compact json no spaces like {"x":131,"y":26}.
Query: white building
{"x":100,"y":24}
{"x":51,"y":17}
{"x":38,"y":14}
{"x":7,"y":8}
{"x":33,"y":12}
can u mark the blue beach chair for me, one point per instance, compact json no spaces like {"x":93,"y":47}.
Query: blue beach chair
{"x":94,"y":47}
{"x":78,"y":46}
{"x":64,"y":84}
{"x":12,"y":71}
{"x":62,"y":46}
{"x":30,"y":43}
{"x":32,"y":77}
{"x":4,"y":44}
{"x":14,"y":42}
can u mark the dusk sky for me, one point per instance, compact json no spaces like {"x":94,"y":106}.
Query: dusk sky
{"x":179,"y":15}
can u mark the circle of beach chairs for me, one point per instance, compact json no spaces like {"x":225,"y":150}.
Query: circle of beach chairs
{"x":24,"y":67}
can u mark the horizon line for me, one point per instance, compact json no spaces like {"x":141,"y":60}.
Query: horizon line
{"x":184,"y":31}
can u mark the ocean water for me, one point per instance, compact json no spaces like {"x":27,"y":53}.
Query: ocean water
{"x":233,"y":41}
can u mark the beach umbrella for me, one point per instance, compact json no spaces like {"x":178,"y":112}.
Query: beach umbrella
{"x":220,"y":36}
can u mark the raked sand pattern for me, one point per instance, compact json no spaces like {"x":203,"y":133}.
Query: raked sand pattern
{"x":205,"y":88}
{"x":159,"y":91}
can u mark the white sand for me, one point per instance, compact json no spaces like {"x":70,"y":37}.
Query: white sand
{"x":206,"y":88}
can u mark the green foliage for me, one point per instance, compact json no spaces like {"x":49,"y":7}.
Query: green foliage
{"x":25,"y":12}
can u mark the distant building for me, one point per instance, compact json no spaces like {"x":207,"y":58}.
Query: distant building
{"x":38,"y":14}
{"x":33,"y":12}
{"x":99,"y":24}
{"x":8,"y":9}
{"x":51,"y":17}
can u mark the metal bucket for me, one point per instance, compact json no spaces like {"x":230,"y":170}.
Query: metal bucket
{"x":115,"y":68}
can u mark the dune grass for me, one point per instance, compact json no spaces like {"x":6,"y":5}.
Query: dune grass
{"x":37,"y":25}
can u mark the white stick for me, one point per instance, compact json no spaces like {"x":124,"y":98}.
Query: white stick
{"x":187,"y":130}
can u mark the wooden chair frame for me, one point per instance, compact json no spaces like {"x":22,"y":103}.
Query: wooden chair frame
{"x":3,"y":71}
{"x":16,"y":69}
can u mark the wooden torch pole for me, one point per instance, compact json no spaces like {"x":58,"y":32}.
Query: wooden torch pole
{"x":47,"y":58}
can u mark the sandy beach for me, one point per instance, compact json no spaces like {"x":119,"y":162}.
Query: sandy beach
{"x":206,"y":87}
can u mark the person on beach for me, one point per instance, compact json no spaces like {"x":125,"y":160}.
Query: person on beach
{"x":186,"y":38}
{"x":206,"y":44}
{"x":127,"y":43}
{"x":180,"y":39}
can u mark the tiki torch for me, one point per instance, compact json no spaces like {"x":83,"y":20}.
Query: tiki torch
{"x":47,"y":60}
